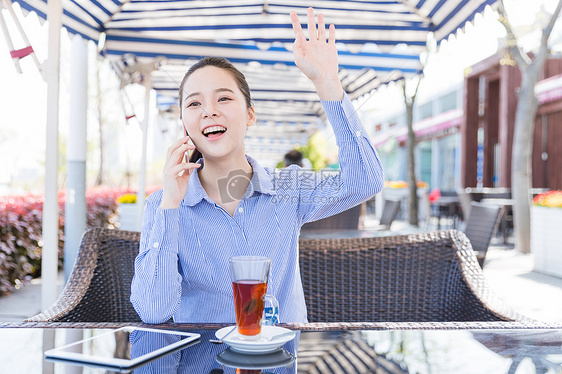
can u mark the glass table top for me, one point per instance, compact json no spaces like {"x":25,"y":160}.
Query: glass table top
{"x":393,"y":351}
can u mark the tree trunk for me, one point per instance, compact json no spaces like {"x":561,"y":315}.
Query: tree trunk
{"x":521,"y":173}
{"x":411,"y":164}
{"x":527,"y":106}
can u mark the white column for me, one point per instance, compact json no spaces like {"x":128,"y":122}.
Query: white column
{"x":436,"y":178}
{"x":141,"y":193}
{"x":50,"y":204}
{"x":75,"y":208}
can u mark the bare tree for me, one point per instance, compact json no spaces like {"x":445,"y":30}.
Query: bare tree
{"x":409,"y":102}
{"x":521,"y":174}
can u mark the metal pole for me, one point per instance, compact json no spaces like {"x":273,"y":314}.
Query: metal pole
{"x":75,"y":208}
{"x":50,"y":205}
{"x":141,"y":193}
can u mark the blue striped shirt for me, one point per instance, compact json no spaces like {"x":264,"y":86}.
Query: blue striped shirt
{"x":182,"y":268}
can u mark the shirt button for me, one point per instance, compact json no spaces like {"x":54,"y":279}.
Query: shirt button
{"x":358,"y":133}
{"x":240,"y":210}
{"x":155,"y":245}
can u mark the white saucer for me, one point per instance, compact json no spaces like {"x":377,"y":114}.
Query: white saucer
{"x":271,"y":360}
{"x":258,"y":346}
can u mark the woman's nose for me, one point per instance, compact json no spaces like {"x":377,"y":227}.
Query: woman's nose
{"x":209,"y":111}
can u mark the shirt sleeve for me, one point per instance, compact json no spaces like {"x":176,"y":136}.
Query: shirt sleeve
{"x":156,"y":285}
{"x":360,"y":176}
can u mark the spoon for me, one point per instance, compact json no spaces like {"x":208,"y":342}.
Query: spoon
{"x":220,"y":341}
{"x":278,"y":336}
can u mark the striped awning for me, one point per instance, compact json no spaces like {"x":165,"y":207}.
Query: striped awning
{"x":386,"y":23}
{"x":378,"y":41}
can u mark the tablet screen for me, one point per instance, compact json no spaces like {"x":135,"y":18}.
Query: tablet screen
{"x":124,"y":349}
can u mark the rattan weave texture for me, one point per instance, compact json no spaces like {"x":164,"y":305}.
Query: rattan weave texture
{"x":431,"y":277}
{"x":100,"y":283}
{"x":332,"y":326}
{"x":409,"y":278}
{"x":482,"y":222}
{"x":346,"y":220}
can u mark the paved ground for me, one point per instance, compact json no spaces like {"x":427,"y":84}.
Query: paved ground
{"x":509,"y":273}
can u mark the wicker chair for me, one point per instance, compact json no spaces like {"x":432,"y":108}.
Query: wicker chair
{"x":389,"y":213}
{"x":100,"y":283}
{"x":482,"y":222}
{"x":415,"y":278}
{"x":427,"y":277}
{"x":347,"y":220}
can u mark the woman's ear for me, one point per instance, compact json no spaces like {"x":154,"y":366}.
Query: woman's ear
{"x":251,"y":117}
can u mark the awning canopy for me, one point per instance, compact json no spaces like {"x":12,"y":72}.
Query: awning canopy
{"x":386,"y":23}
{"x":378,"y":41}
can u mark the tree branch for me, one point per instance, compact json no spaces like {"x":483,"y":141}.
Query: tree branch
{"x":543,"y":48}
{"x":546,"y":32}
{"x":520,"y":57}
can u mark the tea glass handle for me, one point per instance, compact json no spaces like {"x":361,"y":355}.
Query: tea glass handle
{"x":271,"y":314}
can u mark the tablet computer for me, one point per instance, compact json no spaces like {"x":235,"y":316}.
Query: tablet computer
{"x":124,"y":349}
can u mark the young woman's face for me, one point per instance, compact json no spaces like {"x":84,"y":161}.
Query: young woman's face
{"x":215,"y":113}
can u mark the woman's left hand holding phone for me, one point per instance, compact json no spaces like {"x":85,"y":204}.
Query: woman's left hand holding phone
{"x":177,"y":171}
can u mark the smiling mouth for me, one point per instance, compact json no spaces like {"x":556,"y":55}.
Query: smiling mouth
{"x":214,"y":131}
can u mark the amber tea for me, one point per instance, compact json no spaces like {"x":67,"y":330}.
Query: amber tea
{"x":249,"y":303}
{"x":249,"y":275}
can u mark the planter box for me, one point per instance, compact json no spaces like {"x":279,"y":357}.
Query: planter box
{"x":129,"y":217}
{"x":546,"y":239}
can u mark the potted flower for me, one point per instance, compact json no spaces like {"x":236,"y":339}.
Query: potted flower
{"x":546,"y":233}
{"x":128,"y":212}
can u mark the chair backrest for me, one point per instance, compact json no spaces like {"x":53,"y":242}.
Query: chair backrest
{"x":389,"y":212}
{"x":410,"y":278}
{"x":415,"y":278}
{"x":465,"y":200}
{"x":99,"y":286}
{"x":449,"y":193}
{"x":346,"y":220}
{"x":481,"y":225}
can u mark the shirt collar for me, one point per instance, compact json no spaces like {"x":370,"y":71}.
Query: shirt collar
{"x":261,"y":182}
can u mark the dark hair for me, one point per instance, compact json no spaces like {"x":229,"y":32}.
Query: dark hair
{"x":293,"y":157}
{"x":221,"y":63}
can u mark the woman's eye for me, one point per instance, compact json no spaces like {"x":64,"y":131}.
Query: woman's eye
{"x":224,"y":98}
{"x":194,"y":103}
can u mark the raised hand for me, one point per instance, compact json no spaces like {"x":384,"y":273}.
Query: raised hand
{"x":177,"y":173}
{"x":316,"y":57}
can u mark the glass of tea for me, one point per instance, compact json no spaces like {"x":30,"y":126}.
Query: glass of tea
{"x":249,"y":283}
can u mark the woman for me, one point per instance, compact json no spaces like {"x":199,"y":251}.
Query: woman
{"x":225,"y":204}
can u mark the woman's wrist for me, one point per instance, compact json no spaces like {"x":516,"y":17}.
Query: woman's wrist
{"x":329,"y":90}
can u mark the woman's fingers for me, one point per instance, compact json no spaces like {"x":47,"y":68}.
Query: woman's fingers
{"x":178,"y":154}
{"x":176,"y":145}
{"x":180,"y":169}
{"x":297,"y":28}
{"x":311,"y":25}
{"x":321,"y":28}
{"x":332,"y":35}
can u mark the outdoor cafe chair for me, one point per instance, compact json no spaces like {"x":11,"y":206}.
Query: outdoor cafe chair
{"x":99,"y":286}
{"x":482,"y":222}
{"x":410,"y":278}
{"x":389,"y":212}
{"x":424,"y":277}
{"x":349,"y":219}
